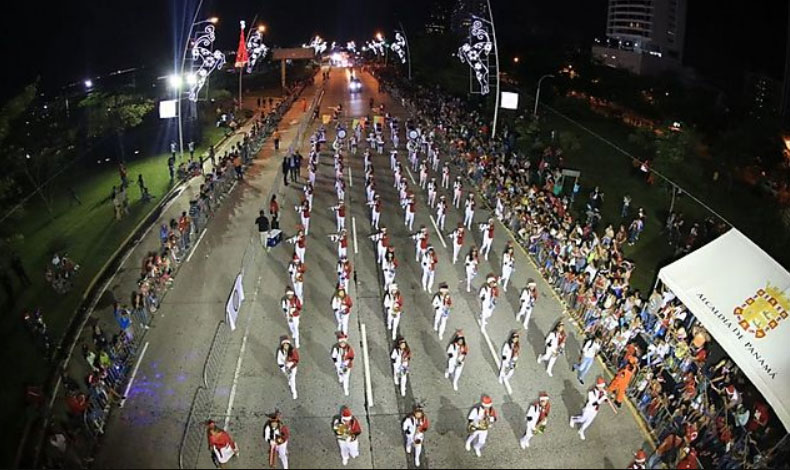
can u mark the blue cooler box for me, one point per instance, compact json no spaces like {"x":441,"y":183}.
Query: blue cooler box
{"x":275,"y":237}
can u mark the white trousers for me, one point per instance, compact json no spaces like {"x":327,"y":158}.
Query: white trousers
{"x":375,"y":216}
{"x":505,"y":372}
{"x":341,"y":223}
{"x":525,"y":311}
{"x":343,"y":378}
{"x":427,"y":279}
{"x":445,"y":181}
{"x":453,"y":371}
{"x":485,"y":314}
{"x":418,"y":252}
{"x":389,"y":277}
{"x":486,"y":246}
{"x":550,"y":357}
{"x":410,"y":438}
{"x":348,"y":449}
{"x":299,"y":290}
{"x":299,"y":253}
{"x":401,"y":377}
{"x":306,"y":224}
{"x":341,"y":251}
{"x":282,"y":453}
{"x":431,"y":198}
{"x":506,"y":273}
{"x":293,"y":325}
{"x":530,"y":431}
{"x":477,"y":439}
{"x":585,"y":418}
{"x":291,"y":376}
{"x":392,"y":324}
{"x":440,"y":220}
{"x":409,"y":220}
{"x":342,"y":321}
{"x":439,"y":322}
{"x":469,"y":215}
{"x":456,"y":250}
{"x":457,"y":199}
{"x":470,"y":274}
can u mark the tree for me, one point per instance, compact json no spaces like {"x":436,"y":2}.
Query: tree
{"x":568,"y":141}
{"x":114,"y":114}
{"x":644,"y":141}
{"x":672,"y":148}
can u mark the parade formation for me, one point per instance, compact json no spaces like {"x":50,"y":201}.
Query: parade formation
{"x":423,"y":156}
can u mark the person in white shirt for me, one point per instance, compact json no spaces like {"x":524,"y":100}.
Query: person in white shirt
{"x":596,"y":397}
{"x":389,"y":268}
{"x":529,"y":295}
{"x":414,"y":427}
{"x":420,"y":243}
{"x":480,"y":420}
{"x":343,"y":357}
{"x":432,"y":193}
{"x":509,"y":358}
{"x":537,"y":417}
{"x":288,"y":360}
{"x":423,"y":175}
{"x":429,"y":263}
{"x":441,"y":212}
{"x":457,"y":192}
{"x":470,"y":264}
{"x":508,"y":265}
{"x":292,"y":309}
{"x":589,"y":350}
{"x":441,"y":303}
{"x":488,"y":237}
{"x":341,"y":306}
{"x":393,"y":306}
{"x":488,"y":297}
{"x":457,"y":237}
{"x":555,"y":345}
{"x":469,"y":211}
{"x":277,"y":435}
{"x":457,"y":351}
{"x":446,"y":175}
{"x":401,"y":358}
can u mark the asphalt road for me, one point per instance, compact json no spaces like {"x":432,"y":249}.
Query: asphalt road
{"x":145,"y":433}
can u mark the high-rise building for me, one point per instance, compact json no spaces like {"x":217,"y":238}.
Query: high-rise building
{"x":643,"y":36}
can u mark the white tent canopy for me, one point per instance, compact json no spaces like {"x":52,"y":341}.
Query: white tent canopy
{"x":742,"y":297}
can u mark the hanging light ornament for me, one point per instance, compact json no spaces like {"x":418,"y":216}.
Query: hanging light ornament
{"x":205,"y":60}
{"x":257,"y":49}
{"x":351,"y":46}
{"x":318,"y":45}
{"x":399,"y":47}
{"x":377,"y":45}
{"x":475,"y":52}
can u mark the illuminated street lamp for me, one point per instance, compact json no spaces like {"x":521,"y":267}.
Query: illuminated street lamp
{"x":515,"y":60}
{"x":175,"y":81}
{"x":537,"y":93}
{"x":88,"y":84}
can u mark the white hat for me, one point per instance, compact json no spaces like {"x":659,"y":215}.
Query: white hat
{"x":491,"y":278}
{"x":393,"y":287}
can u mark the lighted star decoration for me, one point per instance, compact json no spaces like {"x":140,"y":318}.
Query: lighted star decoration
{"x":318,"y":45}
{"x":256,"y":48}
{"x":475,"y":52}
{"x":399,"y":47}
{"x":205,"y":59}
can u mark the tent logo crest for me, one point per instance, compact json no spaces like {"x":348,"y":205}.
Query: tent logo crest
{"x":763,"y":311}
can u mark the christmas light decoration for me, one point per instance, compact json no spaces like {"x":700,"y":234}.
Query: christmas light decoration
{"x":204,"y":60}
{"x":256,"y":48}
{"x":399,"y":47}
{"x":318,"y":44}
{"x":475,"y":52}
{"x":351,"y":46}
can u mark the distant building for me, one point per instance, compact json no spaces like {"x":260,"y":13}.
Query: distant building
{"x":643,"y":36}
{"x":763,"y":95}
{"x":462,"y":11}
{"x":438,"y":18}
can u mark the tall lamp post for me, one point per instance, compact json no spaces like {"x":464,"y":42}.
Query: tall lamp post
{"x":537,"y":93}
{"x":177,"y":85}
{"x":496,"y":56}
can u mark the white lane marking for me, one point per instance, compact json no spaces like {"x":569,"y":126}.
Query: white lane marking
{"x":241,"y":358}
{"x":134,"y":373}
{"x":194,"y":248}
{"x":350,"y":179}
{"x":410,"y":175}
{"x":496,"y":357}
{"x":354,"y":228}
{"x":366,"y":362}
{"x":441,"y":238}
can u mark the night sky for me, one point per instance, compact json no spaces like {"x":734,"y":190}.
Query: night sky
{"x":67,"y":41}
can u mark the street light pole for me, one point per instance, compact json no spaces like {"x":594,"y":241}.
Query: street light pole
{"x":408,"y":49}
{"x":537,"y":93}
{"x":181,"y":76}
{"x":496,"y":56}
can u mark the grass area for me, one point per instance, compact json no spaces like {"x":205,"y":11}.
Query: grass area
{"x":89,"y":234}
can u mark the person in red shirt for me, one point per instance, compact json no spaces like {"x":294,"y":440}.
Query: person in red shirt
{"x":220,"y":444}
{"x":760,"y":417}
{"x":689,"y":460}
{"x":274,"y":212}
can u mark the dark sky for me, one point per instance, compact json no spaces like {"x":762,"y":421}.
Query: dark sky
{"x":69,"y":40}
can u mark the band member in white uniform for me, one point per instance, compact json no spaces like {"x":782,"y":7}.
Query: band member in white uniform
{"x":292,"y":309}
{"x":429,"y":263}
{"x":536,"y":418}
{"x":469,"y":211}
{"x":375,"y":211}
{"x":423,"y":175}
{"x":457,"y":236}
{"x":457,"y":192}
{"x":488,"y":297}
{"x":347,"y":430}
{"x":277,"y":435}
{"x":508,"y":265}
{"x":529,"y":295}
{"x":411,"y":205}
{"x":441,"y":303}
{"x":457,"y":351}
{"x":287,"y":361}
{"x":304,"y":213}
{"x":488,"y":237}
{"x":401,"y":358}
{"x":393,"y":306}
{"x":299,"y":241}
{"x":446,"y":175}
{"x":344,"y":272}
{"x":509,"y":358}
{"x":441,"y":212}
{"x":414,"y":427}
{"x":296,"y":270}
{"x":420,"y":243}
{"x":555,"y":345}
{"x":341,"y":239}
{"x":343,"y":357}
{"x":341,"y":306}
{"x":382,"y":241}
{"x":481,"y":418}
{"x":470,"y":264}
{"x":340,"y":215}
{"x":432,"y":193}
{"x":596,"y":397}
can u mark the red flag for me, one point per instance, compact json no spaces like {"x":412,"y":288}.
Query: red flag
{"x":242,"y":57}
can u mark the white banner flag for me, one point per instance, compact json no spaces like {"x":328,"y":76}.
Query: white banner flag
{"x":234,"y":302}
